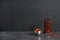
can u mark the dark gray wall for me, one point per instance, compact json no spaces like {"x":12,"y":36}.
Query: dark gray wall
{"x":27,"y":13}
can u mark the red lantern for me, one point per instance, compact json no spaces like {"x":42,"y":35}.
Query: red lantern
{"x":48,"y":26}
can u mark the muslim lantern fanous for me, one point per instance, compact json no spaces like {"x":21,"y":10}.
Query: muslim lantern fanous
{"x":48,"y":25}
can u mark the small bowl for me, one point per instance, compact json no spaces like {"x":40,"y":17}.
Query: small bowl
{"x":37,"y":31}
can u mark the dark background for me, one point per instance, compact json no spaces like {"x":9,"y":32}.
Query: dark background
{"x":24,"y":14}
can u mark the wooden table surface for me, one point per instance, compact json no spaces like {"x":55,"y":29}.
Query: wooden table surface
{"x":24,"y":35}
